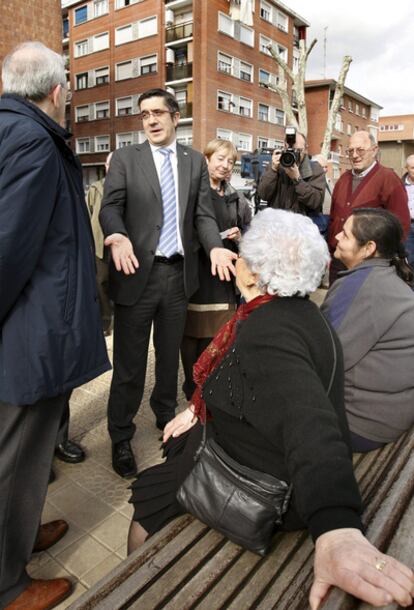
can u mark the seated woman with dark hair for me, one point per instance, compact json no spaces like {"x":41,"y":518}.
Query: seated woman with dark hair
{"x":371,"y":307}
{"x":264,"y":381}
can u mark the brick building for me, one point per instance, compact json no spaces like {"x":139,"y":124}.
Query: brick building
{"x":396,"y":140}
{"x":30,"y":20}
{"x":219,"y":70}
{"x":356,"y":112}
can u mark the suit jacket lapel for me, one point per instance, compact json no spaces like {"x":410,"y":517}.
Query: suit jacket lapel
{"x":147,"y":165}
{"x":184,"y":179}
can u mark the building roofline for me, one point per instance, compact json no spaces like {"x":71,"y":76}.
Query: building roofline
{"x":296,"y":17}
{"x":331,"y":83}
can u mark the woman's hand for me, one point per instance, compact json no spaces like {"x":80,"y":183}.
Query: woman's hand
{"x":180,"y":424}
{"x":346,"y":559}
{"x":234,"y":234}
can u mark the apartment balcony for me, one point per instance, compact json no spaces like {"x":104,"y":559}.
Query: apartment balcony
{"x":179,"y":71}
{"x":178,"y":32}
{"x":186,"y":110}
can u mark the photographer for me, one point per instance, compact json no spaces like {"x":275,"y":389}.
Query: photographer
{"x":291,"y":182}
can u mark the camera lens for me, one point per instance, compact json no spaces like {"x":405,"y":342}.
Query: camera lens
{"x":287,"y":158}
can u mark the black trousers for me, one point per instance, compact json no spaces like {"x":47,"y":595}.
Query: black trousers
{"x":163,"y":304}
{"x":27,"y":443}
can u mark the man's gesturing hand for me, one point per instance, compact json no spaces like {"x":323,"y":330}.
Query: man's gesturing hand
{"x":122,"y":253}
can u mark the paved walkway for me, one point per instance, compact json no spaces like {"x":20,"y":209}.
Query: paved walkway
{"x":90,"y":496}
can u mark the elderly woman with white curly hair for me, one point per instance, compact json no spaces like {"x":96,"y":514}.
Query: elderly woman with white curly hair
{"x":270,"y":385}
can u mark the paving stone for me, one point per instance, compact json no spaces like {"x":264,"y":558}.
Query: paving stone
{"x":113,"y":531}
{"x":81,"y":556}
{"x":101,"y":570}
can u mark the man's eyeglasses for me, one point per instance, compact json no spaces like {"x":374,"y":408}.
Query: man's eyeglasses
{"x":157,"y":114}
{"x":360,"y":152}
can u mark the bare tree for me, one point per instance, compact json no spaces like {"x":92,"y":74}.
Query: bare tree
{"x":298,"y":92}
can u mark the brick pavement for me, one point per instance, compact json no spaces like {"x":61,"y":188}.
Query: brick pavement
{"x":90,"y":496}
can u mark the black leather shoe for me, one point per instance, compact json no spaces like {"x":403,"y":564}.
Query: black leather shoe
{"x":123,"y":461}
{"x":71,"y":452}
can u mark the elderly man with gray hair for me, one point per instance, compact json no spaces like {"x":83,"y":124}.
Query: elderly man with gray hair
{"x":51,"y":334}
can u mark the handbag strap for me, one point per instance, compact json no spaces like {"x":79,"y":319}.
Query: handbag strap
{"x":328,"y":391}
{"x":335,"y":354}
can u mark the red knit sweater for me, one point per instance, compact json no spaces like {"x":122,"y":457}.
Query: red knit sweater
{"x":381,"y":188}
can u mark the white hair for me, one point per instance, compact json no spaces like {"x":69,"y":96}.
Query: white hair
{"x":286,"y":251}
{"x":32,"y":70}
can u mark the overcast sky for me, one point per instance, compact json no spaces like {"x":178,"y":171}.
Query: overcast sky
{"x":378,"y":36}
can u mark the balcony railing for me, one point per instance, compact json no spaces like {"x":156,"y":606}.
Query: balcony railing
{"x":179,"y":71}
{"x":186,"y":110}
{"x":184,"y":30}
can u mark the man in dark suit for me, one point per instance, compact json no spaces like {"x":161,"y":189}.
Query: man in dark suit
{"x":155,"y":213}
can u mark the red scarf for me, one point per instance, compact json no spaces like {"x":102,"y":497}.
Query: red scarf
{"x":215,"y":351}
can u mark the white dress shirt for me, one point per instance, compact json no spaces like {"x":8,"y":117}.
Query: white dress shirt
{"x":158,"y":161}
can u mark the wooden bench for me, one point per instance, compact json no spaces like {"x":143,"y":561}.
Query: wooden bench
{"x":187,"y":565}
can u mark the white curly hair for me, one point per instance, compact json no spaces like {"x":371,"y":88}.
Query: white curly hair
{"x":286,"y":251}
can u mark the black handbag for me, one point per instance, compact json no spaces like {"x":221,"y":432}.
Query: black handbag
{"x":243,"y":504}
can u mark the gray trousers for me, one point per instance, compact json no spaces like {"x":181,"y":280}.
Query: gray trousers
{"x":163,"y":303}
{"x":27,"y":443}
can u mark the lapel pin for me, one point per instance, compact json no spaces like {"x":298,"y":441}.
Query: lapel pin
{"x":185,"y":153}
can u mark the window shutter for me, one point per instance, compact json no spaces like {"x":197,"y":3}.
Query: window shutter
{"x":135,"y":109}
{"x":91,"y":112}
{"x":135,"y":67}
{"x":236,"y":67}
{"x":92,"y":145}
{"x":91,"y":78}
{"x":135,"y":30}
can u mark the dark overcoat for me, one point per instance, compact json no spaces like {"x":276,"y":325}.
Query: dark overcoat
{"x":50,"y":329}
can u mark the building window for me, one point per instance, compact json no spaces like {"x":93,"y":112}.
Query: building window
{"x":356,"y":108}
{"x":102,"y":76}
{"x":124,"y":106}
{"x":123,"y":70}
{"x":82,"y":81}
{"x":245,"y":107}
{"x":185,"y":135}
{"x":81,"y":48}
{"x":265,"y":11}
{"x":124,"y":34}
{"x":81,"y":14}
{"x":122,"y":3}
{"x":224,"y":134}
{"x":224,"y":63}
{"x":65,"y":28}
{"x":262,"y":142}
{"x":101,"y":41}
{"x":244,"y":141}
{"x":82,"y":113}
{"x":225,"y":24}
{"x":148,"y":65}
{"x":246,"y":35}
{"x":282,"y":21}
{"x":350,"y":108}
{"x":100,"y":7}
{"x":364,"y":112}
{"x":147,"y":27}
{"x":263,"y":112}
{"x":264,"y":77}
{"x":264,"y":42}
{"x":102,"y":144}
{"x":224,"y":101}
{"x":349,"y":129}
{"x":246,"y":71}
{"x":279,"y":117}
{"x":339,"y":125}
{"x":124,"y":139}
{"x":83,"y":145}
{"x":102,"y":110}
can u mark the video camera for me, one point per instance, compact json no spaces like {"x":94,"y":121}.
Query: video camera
{"x":290,"y":155}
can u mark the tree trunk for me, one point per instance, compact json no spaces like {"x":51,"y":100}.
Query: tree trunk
{"x":334,"y":106}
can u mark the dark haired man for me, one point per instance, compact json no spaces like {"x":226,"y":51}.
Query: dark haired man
{"x":155,"y":213}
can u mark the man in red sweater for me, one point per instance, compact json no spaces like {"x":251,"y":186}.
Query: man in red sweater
{"x":366,"y":185}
